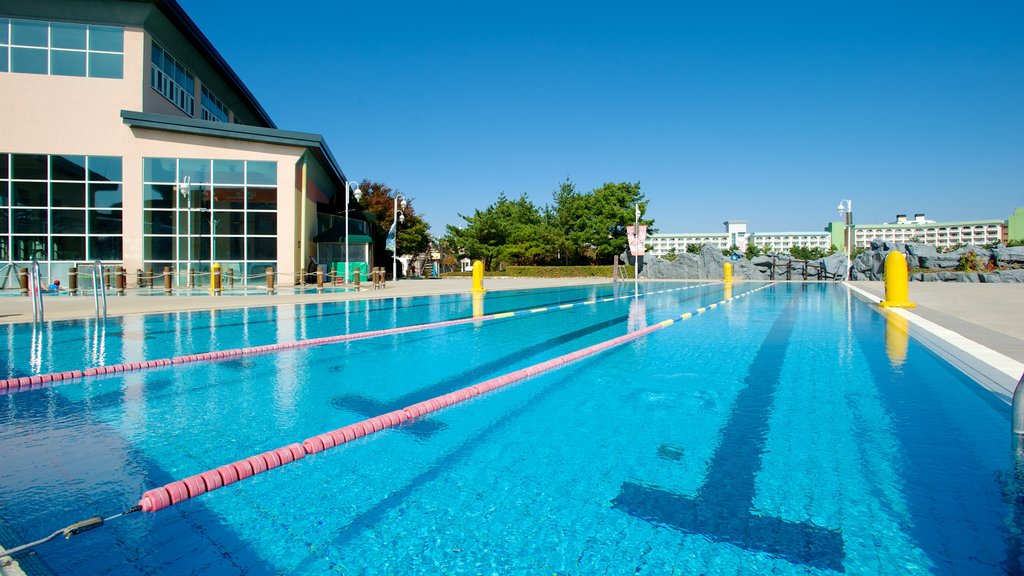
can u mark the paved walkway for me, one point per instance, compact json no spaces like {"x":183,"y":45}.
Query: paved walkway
{"x":63,"y":307}
{"x":990,"y":314}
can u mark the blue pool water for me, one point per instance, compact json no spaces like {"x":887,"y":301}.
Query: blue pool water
{"x":769,"y":435}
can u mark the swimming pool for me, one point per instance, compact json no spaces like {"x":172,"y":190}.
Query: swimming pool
{"x":771,"y":434}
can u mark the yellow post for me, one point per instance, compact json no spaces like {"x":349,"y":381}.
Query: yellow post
{"x":215,"y":283}
{"x":896,"y":282}
{"x":727,"y":271}
{"x":897,"y":339}
{"x":478,"y":304}
{"x":478,"y":277}
{"x":728,"y":291}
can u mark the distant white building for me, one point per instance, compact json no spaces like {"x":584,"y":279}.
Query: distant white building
{"x":917,"y":229}
{"x":920,"y":229}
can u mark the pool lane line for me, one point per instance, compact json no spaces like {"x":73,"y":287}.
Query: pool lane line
{"x":41,"y":380}
{"x":192,"y":486}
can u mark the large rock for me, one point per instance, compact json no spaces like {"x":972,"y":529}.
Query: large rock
{"x":711,"y":261}
{"x":1012,"y":256}
{"x":835,"y":265}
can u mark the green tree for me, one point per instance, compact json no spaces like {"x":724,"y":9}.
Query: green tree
{"x":413,"y":235}
{"x":752,"y":251}
{"x":671,"y":255}
{"x":693,"y":248}
{"x":606,"y":213}
{"x":506,"y":232}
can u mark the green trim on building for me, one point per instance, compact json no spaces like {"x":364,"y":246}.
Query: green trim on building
{"x":1015,"y":227}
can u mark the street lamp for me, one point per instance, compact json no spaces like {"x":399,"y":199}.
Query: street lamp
{"x":846,"y":206}
{"x":185,"y":188}
{"x":636,"y":230}
{"x":359,"y":195}
{"x":399,"y":217}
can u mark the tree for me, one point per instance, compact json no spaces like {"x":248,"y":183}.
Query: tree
{"x":693,"y":248}
{"x":379,"y":200}
{"x":507,"y":231}
{"x":671,"y":255}
{"x":606,"y":212}
{"x":752,"y":251}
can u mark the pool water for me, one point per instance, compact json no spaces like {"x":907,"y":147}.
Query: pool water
{"x":771,"y":434}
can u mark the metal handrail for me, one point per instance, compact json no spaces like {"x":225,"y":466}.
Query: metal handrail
{"x":97,"y":280}
{"x":35,"y":286}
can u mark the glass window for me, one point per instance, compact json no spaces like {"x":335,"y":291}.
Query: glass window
{"x":106,"y":65}
{"x":197,"y":170}
{"x":159,"y":170}
{"x":28,"y":60}
{"x":3,"y":30}
{"x":104,"y":221}
{"x":105,"y":247}
{"x":3,"y":197}
{"x":28,"y":166}
{"x":4,"y":221}
{"x":262,"y":248}
{"x":105,"y":168}
{"x":67,"y":194}
{"x":106,"y":38}
{"x":28,"y":221}
{"x":67,"y":222}
{"x":67,"y":168}
{"x":66,"y":35}
{"x":5,"y":248}
{"x":229,"y":223}
{"x":229,"y":248}
{"x":28,"y":193}
{"x":3,"y":59}
{"x":229,"y":172}
{"x":104,"y":195}
{"x":228,"y":198}
{"x":29,"y":32}
{"x":159,"y":195}
{"x":27,"y":248}
{"x":3,"y":166}
{"x":67,"y":63}
{"x":262,"y":223}
{"x":262,"y":173}
{"x":157,"y":248}
{"x":157,"y":56}
{"x":262,"y":198}
{"x":68,"y":248}
{"x":158,"y":222}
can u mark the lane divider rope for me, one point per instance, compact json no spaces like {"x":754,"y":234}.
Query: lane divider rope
{"x":42,"y":380}
{"x":180,"y":490}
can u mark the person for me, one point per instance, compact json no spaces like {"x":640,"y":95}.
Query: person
{"x":55,"y":287}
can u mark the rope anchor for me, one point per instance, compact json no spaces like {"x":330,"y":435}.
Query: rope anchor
{"x":67,"y":532}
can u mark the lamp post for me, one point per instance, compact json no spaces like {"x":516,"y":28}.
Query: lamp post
{"x":399,"y":217}
{"x":358,"y":194}
{"x":846,"y":207}
{"x":636,"y":230}
{"x":185,"y":188}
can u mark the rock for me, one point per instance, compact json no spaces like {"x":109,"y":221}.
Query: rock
{"x":1012,"y":256}
{"x":711,"y":261}
{"x":1014,"y":276}
{"x":835,"y":265}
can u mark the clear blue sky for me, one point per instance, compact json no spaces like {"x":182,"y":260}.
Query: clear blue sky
{"x":766,"y":111}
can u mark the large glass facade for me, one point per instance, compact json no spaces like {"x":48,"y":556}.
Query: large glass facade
{"x":61,"y":48}
{"x":60,"y":209}
{"x":200,"y":211}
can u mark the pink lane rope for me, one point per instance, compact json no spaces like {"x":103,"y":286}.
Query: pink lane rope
{"x":180,"y":490}
{"x":40,"y":380}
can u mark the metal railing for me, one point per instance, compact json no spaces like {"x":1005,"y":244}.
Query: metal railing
{"x":99,"y":289}
{"x":35,"y":290}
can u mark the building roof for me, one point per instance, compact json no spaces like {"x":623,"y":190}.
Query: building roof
{"x":315,"y":143}
{"x":177,"y":15}
{"x":911,"y":224}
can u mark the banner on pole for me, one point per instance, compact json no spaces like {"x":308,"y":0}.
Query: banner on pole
{"x":637,"y":238}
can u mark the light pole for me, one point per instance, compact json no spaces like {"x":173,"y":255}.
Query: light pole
{"x":846,"y":206}
{"x":185,"y":188}
{"x":636,"y":230}
{"x":399,"y":217}
{"x":358,"y":194}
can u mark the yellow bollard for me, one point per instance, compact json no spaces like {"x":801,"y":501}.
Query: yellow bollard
{"x":478,"y":304}
{"x":897,"y":338}
{"x":215,"y":282}
{"x":896,"y":281}
{"x":727,"y":271}
{"x":478,"y":277}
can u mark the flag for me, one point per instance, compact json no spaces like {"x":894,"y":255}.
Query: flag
{"x":389,"y":242}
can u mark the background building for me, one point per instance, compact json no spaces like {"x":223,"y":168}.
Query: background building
{"x":918,"y":229}
{"x":128,"y":138}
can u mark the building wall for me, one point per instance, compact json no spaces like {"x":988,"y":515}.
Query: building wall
{"x":1015,"y":225}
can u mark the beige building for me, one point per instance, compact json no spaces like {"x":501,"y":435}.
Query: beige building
{"x":127,"y":138}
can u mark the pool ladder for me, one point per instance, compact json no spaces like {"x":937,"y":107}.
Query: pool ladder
{"x":99,"y":289}
{"x":35,"y":290}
